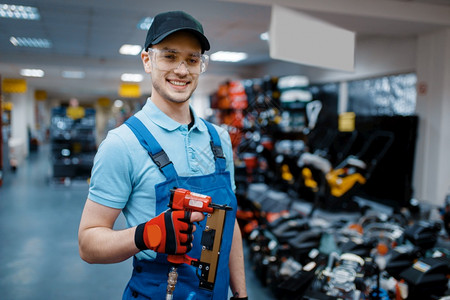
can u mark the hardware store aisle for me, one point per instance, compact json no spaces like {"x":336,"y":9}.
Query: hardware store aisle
{"x":38,"y":240}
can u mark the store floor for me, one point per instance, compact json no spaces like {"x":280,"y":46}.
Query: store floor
{"x":38,"y":240}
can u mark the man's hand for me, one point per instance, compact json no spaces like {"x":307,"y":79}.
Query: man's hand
{"x":171,"y":232}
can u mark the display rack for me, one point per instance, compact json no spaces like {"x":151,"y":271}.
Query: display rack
{"x":73,"y":144}
{"x":325,"y":210}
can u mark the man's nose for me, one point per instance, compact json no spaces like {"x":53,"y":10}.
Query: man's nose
{"x":181,"y":69}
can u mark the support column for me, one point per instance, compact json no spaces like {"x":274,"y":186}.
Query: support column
{"x":432,"y":166}
{"x":22,"y":120}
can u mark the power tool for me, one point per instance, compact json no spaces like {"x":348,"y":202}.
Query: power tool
{"x":183,"y":199}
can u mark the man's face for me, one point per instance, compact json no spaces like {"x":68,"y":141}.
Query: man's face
{"x":178,"y":84}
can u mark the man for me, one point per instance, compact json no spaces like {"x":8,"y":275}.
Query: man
{"x":165,"y":145}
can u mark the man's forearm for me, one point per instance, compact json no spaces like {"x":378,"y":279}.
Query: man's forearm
{"x":236,"y":265}
{"x":104,"y":245}
{"x":98,"y":242}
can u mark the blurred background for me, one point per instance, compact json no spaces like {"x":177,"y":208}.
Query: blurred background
{"x":338,"y":111}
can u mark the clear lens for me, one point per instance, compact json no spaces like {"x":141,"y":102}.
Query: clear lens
{"x":168,"y":60}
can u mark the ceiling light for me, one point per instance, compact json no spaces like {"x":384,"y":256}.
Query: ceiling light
{"x":264,"y":36}
{"x":118,"y":103}
{"x":73,"y":74}
{"x":228,"y":56}
{"x":19,"y":12}
{"x":30,"y":42}
{"x":145,"y":23}
{"x":127,"y":49}
{"x":32,"y":72}
{"x":128,"y":77}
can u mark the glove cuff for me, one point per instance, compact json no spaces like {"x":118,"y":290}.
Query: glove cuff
{"x":139,"y":237}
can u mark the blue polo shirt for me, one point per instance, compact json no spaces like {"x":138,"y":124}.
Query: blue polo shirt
{"x":124,"y":175}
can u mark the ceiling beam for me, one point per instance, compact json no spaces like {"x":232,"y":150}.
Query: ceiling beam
{"x":383,"y":9}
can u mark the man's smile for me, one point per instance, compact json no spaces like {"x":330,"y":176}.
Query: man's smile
{"x":178,"y":83}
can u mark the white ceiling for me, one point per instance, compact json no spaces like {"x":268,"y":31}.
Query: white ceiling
{"x":87,"y":34}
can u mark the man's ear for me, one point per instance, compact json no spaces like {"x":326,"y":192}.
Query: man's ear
{"x":146,"y":61}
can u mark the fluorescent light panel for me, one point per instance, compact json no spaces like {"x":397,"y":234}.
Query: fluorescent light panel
{"x":264,"y":36}
{"x":118,"y":103}
{"x":145,"y":23}
{"x":73,"y":74}
{"x":227,"y":56}
{"x":19,"y":12}
{"x":32,"y":72}
{"x":30,"y":42}
{"x":128,"y":77}
{"x":128,"y":49}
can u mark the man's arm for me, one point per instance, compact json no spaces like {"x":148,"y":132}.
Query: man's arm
{"x":236,"y":265}
{"x":98,"y":242}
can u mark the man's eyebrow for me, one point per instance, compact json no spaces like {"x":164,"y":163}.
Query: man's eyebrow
{"x":170,"y":49}
{"x":176,"y":50}
{"x":190,"y":53}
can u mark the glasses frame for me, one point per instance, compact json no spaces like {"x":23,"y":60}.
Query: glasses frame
{"x":204,"y":58}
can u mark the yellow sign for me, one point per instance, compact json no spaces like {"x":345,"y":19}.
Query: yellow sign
{"x":347,"y":122}
{"x":7,"y":106}
{"x":104,"y":101}
{"x":129,"y":90}
{"x":40,"y":95}
{"x":75,"y":113}
{"x":14,"y":85}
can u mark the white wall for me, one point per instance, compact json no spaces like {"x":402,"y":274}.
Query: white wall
{"x":432,"y":173}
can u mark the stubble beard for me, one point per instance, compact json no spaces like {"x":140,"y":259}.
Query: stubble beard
{"x":172,"y":98}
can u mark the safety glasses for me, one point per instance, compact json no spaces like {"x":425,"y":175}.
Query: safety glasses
{"x":169,"y":59}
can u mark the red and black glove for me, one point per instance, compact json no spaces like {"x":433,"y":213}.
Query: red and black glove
{"x":170,"y":233}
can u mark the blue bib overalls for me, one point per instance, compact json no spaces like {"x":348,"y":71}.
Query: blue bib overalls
{"x":149,"y":278}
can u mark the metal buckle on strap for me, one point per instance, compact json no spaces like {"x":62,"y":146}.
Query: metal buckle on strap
{"x":161,"y":159}
{"x":217,"y":151}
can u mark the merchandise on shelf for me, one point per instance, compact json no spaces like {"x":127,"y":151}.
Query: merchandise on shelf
{"x":73,"y":143}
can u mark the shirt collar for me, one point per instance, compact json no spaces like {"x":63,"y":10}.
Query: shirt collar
{"x":164,"y":121}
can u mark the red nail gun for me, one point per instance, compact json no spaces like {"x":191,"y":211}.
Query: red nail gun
{"x":182,"y":199}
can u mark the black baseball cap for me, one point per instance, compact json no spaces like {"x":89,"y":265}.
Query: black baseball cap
{"x":167,"y":23}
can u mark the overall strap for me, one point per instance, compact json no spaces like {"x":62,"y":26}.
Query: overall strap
{"x":153,"y":148}
{"x":216,"y":147}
